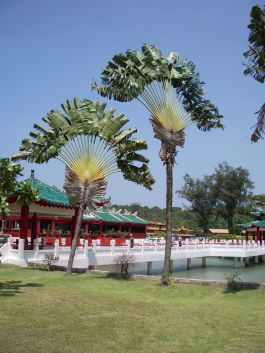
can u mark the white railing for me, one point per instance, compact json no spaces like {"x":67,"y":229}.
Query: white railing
{"x":142,"y":251}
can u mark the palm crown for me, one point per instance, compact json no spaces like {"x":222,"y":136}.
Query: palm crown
{"x":92,"y":145}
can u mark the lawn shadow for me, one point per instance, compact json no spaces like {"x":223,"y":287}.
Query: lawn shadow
{"x":113,"y":275}
{"x":240,"y":286}
{"x":11,"y":288}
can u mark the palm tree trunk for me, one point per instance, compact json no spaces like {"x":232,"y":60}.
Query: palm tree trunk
{"x":169,"y":177}
{"x":74,"y":242}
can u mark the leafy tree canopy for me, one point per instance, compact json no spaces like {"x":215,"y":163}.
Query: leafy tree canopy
{"x":255,"y":65}
{"x":202,"y":196}
{"x":233,"y":187}
{"x":9,"y":172}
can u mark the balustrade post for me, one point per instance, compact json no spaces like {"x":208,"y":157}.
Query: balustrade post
{"x":36,"y":248}
{"x":142,"y":249}
{"x":21,"y":245}
{"x":128,"y":248}
{"x":112,"y":243}
{"x":94,"y":248}
{"x":155,"y":246}
{"x":10,"y":242}
{"x":56,"y":248}
{"x":86,"y":247}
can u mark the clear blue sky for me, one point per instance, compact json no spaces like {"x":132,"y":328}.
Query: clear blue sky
{"x":51,"y":50}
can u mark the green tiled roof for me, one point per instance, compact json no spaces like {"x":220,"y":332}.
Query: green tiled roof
{"x":258,"y":212}
{"x":246,"y":225}
{"x":135,"y":219}
{"x":49,"y":193}
{"x":118,"y":218}
{"x":108,"y":217}
{"x":253,"y":224}
{"x":52,"y":194}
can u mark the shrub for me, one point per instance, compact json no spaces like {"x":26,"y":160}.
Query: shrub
{"x":49,"y":260}
{"x":233,"y":281}
{"x":123,"y":264}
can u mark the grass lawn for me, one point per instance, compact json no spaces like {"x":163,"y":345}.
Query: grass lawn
{"x":47,"y":312}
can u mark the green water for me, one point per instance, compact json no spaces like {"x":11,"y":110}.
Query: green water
{"x":216,"y":269}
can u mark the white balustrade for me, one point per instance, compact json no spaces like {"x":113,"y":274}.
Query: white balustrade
{"x":21,"y":245}
{"x":36,"y":248}
{"x":86,"y":248}
{"x":56,"y":248}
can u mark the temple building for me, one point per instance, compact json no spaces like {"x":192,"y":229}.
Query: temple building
{"x":255,"y":228}
{"x":54,"y":217}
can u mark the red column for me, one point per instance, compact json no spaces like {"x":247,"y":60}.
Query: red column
{"x":24,"y":221}
{"x":258,"y":234}
{"x":38,"y":227}
{"x":86,"y":227}
{"x":246,"y":235}
{"x":52,"y":227}
{"x":100,"y":230}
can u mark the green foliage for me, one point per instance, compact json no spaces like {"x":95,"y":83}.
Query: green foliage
{"x":257,"y":201}
{"x":159,"y":234}
{"x":88,"y":118}
{"x":4,"y":211}
{"x":233,"y":189}
{"x":128,"y":74}
{"x":235,"y":230}
{"x":9,"y":172}
{"x":180,"y":217}
{"x":202,"y":197}
{"x":26,"y":194}
{"x":226,"y":194}
{"x":225,"y":236}
{"x":255,"y":65}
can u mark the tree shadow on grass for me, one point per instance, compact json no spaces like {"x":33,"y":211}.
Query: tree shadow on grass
{"x":11,"y":288}
{"x":235,"y":283}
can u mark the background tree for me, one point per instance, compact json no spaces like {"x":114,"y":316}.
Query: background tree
{"x":256,"y":61}
{"x":258,"y":201}
{"x":202,"y":197}
{"x":92,"y":145}
{"x":233,"y":189}
{"x":172,"y":92}
{"x":9,"y":172}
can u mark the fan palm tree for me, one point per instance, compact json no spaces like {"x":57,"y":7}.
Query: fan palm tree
{"x":255,"y":65}
{"x":172,"y":92}
{"x":92,"y":145}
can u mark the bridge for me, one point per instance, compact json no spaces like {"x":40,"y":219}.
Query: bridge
{"x":87,"y":257}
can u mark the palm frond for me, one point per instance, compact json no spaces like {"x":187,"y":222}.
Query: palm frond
{"x":260,"y":125}
{"x":88,"y":140}
{"x":165,"y":107}
{"x":89,"y":157}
